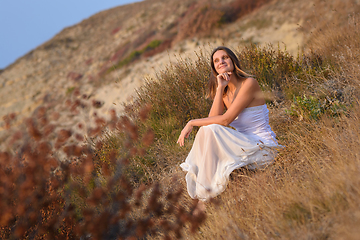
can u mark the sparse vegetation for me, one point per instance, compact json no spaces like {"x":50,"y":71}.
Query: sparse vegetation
{"x":136,"y":54}
{"x":198,"y":20}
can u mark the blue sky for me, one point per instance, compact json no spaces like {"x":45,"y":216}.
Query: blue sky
{"x":26,"y":24}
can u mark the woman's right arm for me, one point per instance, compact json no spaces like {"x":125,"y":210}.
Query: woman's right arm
{"x":217,"y":107}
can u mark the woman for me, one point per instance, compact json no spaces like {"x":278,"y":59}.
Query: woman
{"x":217,"y":149}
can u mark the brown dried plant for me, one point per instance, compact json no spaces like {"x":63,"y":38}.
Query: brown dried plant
{"x":59,"y":183}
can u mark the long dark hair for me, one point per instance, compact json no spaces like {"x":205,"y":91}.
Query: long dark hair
{"x":239,"y":73}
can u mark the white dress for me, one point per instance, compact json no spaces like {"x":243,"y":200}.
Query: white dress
{"x":218,"y":150}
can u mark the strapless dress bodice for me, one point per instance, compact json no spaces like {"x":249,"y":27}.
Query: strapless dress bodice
{"x":255,"y":121}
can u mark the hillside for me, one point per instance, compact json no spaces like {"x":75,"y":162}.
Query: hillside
{"x":86,"y":165}
{"x":83,"y":55}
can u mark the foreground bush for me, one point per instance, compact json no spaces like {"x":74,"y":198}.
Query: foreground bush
{"x":56,"y":185}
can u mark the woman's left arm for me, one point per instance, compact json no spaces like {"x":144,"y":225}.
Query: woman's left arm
{"x":245,"y":96}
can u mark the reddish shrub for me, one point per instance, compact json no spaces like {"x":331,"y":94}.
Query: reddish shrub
{"x":60,"y":187}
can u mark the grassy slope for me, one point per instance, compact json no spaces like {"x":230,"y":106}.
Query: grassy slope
{"x":312,"y":189}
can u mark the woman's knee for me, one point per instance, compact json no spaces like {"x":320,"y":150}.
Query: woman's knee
{"x":213,"y":127}
{"x":209,"y":129}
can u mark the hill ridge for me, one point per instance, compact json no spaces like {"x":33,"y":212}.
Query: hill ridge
{"x":83,"y":55}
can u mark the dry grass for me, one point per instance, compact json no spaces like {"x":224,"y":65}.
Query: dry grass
{"x":311,"y":192}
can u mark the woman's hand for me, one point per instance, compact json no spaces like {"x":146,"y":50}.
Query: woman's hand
{"x":223,"y":79}
{"x":184,"y":134}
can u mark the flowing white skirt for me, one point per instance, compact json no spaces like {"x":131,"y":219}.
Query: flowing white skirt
{"x":216,"y":152}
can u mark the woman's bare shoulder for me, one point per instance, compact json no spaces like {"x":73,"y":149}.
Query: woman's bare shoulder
{"x":250,"y":83}
{"x":250,"y":80}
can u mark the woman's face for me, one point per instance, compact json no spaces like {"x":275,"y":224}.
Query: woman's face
{"x":222,"y":62}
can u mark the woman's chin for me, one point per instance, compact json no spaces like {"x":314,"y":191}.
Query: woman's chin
{"x":221,"y":71}
{"x":224,"y":70}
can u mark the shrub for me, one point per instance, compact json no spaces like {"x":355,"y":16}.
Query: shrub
{"x":278,"y":70}
{"x":134,"y":55}
{"x":56,"y":185}
{"x":313,"y":108}
{"x":152,"y":45}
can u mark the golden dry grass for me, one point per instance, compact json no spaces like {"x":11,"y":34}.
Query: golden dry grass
{"x":312,"y":190}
